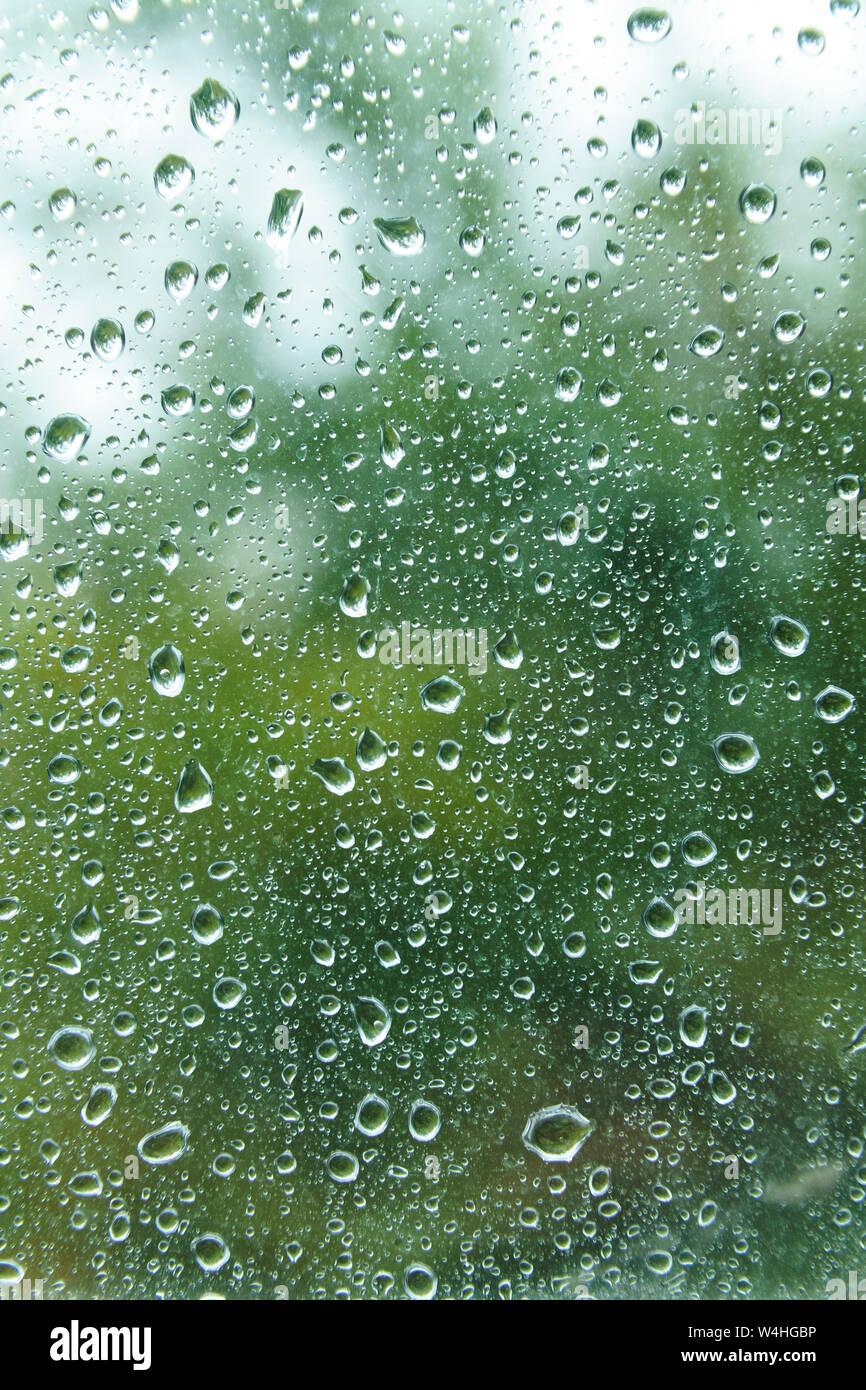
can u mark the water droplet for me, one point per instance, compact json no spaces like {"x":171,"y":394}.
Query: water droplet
{"x":166,"y":670}
{"x":62,"y":204}
{"x":472,"y":241}
{"x":659,"y":918}
{"x":649,"y":26}
{"x":337,"y":777}
{"x":64,"y":769}
{"x":172,"y":176}
{"x":213,"y":109}
{"x":725,"y":653}
{"x":286,"y":211}
{"x":442,"y":695}
{"x":181,"y":278}
{"x":371,"y":751}
{"x":693,"y":1026}
{"x":99,"y":1104}
{"x":646,"y":138}
{"x":65,"y":437}
{"x":211,"y":1252}
{"x":194,"y":789}
{"x":206,"y":924}
{"x":402,"y":236}
{"x":788,"y":326}
{"x":165,"y":1145}
{"x":424,"y":1121}
{"x":72,"y":1047}
{"x":228,"y":992}
{"x":697,"y":849}
{"x":343,"y":1166}
{"x":708,"y":342}
{"x":788,"y":636}
{"x":178,"y":401}
{"x":484,"y":126}
{"x":372,"y":1115}
{"x":736,"y":752}
{"x":372,"y":1019}
{"x":107,"y":339}
{"x":834,"y":704}
{"x":353,"y":599}
{"x":723,"y":1089}
{"x":757,"y":202}
{"x":557,"y":1133}
{"x":507,"y":652}
{"x":568,"y":384}
{"x":420,"y":1282}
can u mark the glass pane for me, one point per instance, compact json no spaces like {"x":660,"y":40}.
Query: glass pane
{"x":432,"y":650}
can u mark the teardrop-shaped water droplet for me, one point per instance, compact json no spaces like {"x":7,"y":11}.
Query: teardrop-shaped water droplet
{"x":286,"y":211}
{"x":166,"y":670}
{"x":194,"y":789}
{"x":391,"y":450}
{"x":371,"y":752}
{"x":507,"y":652}
{"x":372,"y":1019}
{"x":659,"y":918}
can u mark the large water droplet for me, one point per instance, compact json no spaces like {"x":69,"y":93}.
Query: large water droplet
{"x":834,"y":704}
{"x":402,"y":236}
{"x":442,"y":695}
{"x":557,"y":1133}
{"x":165,"y":1145}
{"x":65,"y":437}
{"x":166,"y":670}
{"x":757,"y":202}
{"x":194,"y":789}
{"x":788,"y":636}
{"x":736,"y":752}
{"x":337,"y":777}
{"x":372,"y":1019}
{"x":286,"y":211}
{"x":72,"y":1047}
{"x":649,"y":26}
{"x":213,"y":109}
{"x":172,"y":176}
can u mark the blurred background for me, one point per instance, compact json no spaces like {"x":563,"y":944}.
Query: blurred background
{"x":318,"y":320}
